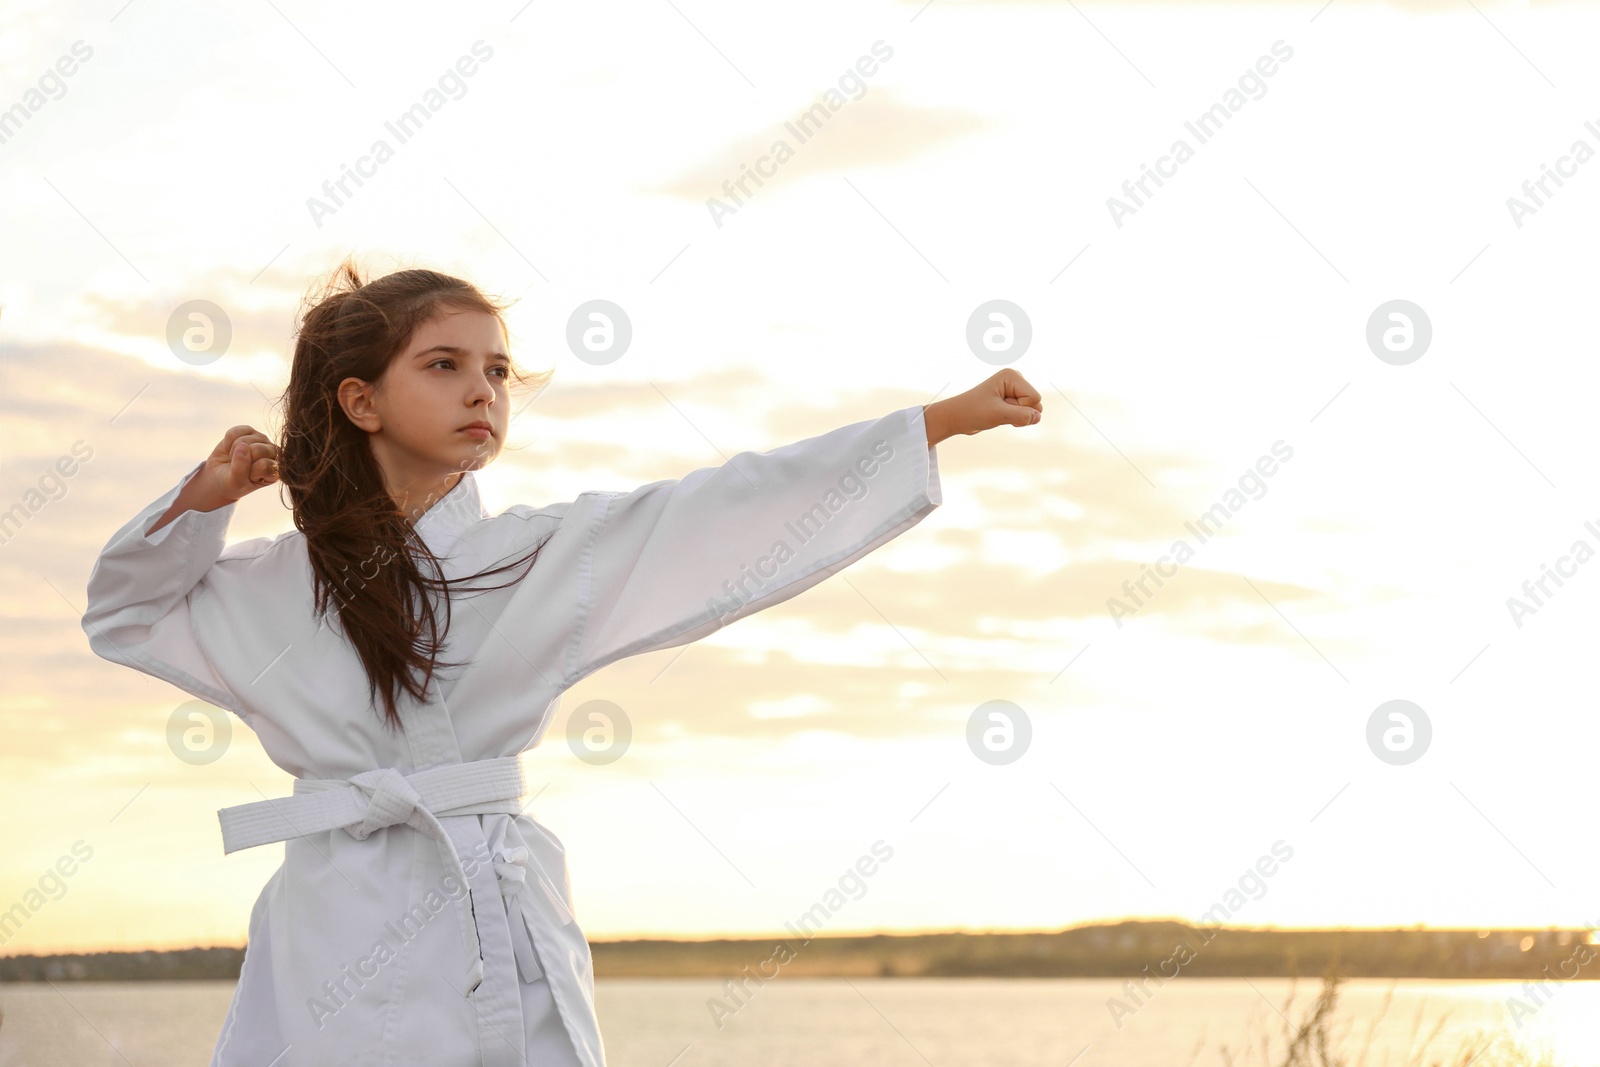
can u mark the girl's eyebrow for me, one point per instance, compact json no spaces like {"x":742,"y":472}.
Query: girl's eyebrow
{"x":455,"y":351}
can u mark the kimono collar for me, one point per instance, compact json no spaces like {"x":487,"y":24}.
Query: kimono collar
{"x":451,"y":514}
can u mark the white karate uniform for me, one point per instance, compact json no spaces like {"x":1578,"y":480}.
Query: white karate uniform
{"x":363,"y":947}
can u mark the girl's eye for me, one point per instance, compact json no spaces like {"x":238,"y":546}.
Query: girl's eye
{"x":505,"y":371}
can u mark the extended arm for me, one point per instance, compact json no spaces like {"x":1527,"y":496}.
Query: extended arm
{"x":673,"y":561}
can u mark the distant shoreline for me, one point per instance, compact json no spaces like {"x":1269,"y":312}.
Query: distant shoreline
{"x":1153,"y":950}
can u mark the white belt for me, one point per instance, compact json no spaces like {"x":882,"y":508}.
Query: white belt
{"x":373,"y":800}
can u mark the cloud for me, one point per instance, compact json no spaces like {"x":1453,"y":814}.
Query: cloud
{"x":876,"y":130}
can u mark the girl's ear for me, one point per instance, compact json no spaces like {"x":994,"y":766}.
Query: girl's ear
{"x":355,"y":397}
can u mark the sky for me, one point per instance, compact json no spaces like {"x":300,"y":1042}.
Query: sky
{"x":1216,"y":340}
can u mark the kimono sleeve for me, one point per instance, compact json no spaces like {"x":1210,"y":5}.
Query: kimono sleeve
{"x":140,"y":591}
{"x":673,"y":561}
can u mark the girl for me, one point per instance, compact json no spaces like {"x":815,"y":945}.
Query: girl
{"x":419,"y":916}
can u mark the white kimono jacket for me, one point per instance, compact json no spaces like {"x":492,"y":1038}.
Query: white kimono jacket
{"x":366,"y":947}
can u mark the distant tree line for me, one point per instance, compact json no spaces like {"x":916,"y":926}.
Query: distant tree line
{"x":1107,"y":950}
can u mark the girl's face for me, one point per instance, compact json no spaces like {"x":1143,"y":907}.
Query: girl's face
{"x":452,"y":376}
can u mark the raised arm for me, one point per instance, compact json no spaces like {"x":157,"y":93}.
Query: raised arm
{"x":673,"y":561}
{"x":139,"y":590}
{"x":138,"y":613}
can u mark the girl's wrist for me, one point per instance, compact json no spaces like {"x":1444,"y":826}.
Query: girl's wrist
{"x":936,"y":417}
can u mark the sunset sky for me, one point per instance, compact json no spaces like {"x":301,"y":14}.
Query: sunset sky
{"x":1175,"y":347}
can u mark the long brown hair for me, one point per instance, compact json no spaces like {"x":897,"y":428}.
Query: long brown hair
{"x":355,"y":329}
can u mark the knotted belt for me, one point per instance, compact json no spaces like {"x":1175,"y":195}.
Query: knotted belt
{"x":376,"y":799}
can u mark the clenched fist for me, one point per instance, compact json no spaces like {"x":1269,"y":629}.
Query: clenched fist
{"x":1006,"y":399}
{"x":243,"y":461}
